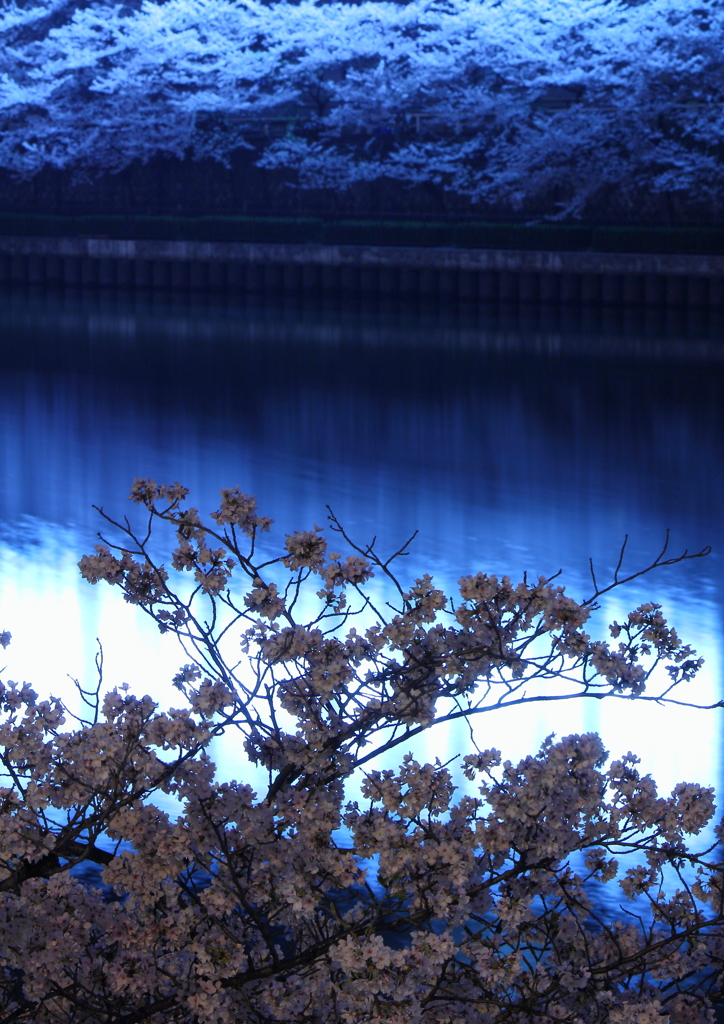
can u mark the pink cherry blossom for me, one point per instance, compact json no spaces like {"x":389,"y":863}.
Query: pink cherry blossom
{"x":260,"y":906}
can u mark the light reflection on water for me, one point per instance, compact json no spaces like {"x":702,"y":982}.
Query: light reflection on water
{"x":510,"y":446}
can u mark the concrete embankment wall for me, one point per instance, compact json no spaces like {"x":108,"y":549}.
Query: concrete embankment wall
{"x":492,"y":275}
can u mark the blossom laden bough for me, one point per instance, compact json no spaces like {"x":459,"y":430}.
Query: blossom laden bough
{"x":260,"y":906}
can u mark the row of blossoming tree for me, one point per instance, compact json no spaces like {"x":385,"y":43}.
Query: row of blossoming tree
{"x":483,"y":905}
{"x":462,"y":93}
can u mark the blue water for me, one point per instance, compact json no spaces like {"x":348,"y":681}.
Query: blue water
{"x":510,"y":441}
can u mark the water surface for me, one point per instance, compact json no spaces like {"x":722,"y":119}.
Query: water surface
{"x":512,"y":441}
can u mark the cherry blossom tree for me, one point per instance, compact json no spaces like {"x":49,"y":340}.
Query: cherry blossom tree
{"x":550,"y":105}
{"x":262,"y":906}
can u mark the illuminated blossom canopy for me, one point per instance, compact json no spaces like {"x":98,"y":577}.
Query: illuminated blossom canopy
{"x":341,"y":892}
{"x":502,"y":101}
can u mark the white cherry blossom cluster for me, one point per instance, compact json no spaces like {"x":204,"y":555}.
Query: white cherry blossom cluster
{"x":549,"y":105}
{"x":486,"y":905}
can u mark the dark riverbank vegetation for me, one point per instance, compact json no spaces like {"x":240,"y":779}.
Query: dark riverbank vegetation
{"x":447,"y":232}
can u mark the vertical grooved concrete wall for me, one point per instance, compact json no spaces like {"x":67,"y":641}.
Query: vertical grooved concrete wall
{"x":486,"y":275}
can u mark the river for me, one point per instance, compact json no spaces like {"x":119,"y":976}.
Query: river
{"x":512,"y":440}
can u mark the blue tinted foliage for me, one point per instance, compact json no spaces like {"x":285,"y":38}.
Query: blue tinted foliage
{"x":502,"y":101}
